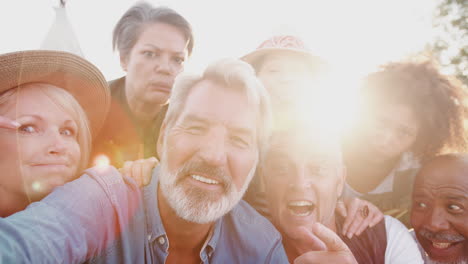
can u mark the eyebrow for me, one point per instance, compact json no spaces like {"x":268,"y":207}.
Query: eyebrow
{"x":191,"y":118}
{"x":33,"y":116}
{"x":456,"y":197}
{"x":154,"y":47}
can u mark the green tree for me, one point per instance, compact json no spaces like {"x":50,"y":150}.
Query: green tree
{"x":451,"y":40}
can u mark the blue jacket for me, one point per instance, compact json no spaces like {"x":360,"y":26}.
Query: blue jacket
{"x":103,"y":217}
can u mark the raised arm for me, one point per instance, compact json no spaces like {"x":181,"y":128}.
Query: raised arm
{"x":74,"y":223}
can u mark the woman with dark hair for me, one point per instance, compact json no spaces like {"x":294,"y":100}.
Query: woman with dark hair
{"x":411,"y":112}
{"x":153,"y":45}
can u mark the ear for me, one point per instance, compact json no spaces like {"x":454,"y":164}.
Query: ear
{"x":159,"y":144}
{"x":341,"y":180}
{"x":123,"y":63}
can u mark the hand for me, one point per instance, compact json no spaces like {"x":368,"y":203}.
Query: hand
{"x":139,"y":170}
{"x":358,"y":217}
{"x":336,"y":250}
{"x":8,"y":123}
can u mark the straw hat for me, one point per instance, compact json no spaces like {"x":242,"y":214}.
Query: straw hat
{"x":62,"y":69}
{"x":283,"y":43}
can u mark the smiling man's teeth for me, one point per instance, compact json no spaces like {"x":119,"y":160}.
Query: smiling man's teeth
{"x":300,"y":203}
{"x":301,"y":208}
{"x":441,"y":245}
{"x":204,"y":180}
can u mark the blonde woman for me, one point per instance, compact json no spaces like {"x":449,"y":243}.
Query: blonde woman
{"x":50,"y":105}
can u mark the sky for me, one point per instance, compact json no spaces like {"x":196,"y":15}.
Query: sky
{"x":353,"y":35}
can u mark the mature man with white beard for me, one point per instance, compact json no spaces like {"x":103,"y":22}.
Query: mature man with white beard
{"x":439,"y":214}
{"x":209,"y":148}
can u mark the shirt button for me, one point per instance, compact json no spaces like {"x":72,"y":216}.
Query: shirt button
{"x":161,"y":240}
{"x":149,"y":237}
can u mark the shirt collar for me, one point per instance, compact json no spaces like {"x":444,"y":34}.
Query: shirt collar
{"x":154,"y":223}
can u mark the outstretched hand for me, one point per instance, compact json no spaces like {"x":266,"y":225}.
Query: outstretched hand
{"x":8,"y":123}
{"x":334,"y":251}
{"x":140,"y":170}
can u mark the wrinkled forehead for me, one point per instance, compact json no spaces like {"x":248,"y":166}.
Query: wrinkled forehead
{"x":443,"y":174}
{"x":304,"y":146}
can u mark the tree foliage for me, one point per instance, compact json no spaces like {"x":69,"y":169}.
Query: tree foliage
{"x":451,"y":40}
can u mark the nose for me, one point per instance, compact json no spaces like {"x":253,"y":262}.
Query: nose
{"x":55,"y":143}
{"x":163,"y":66}
{"x":300,"y":180}
{"x":437,"y":220}
{"x":213,"y":149}
{"x":386,"y":137}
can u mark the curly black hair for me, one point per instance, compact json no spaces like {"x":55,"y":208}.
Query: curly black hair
{"x":437,"y":100}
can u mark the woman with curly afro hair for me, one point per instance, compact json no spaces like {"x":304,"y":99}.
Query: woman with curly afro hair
{"x":411,"y":112}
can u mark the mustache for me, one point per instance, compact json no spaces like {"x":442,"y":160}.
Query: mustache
{"x":441,"y":236}
{"x":214,"y":172}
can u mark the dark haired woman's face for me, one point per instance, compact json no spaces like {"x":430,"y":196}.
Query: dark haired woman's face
{"x":155,"y":60}
{"x":391,"y":130}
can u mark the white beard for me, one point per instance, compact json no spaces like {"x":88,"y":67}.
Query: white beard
{"x":194,"y":205}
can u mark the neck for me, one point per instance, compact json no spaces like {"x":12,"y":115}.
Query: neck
{"x":185,"y":237}
{"x":143,"y":110}
{"x":296,"y":247}
{"x":365,"y":175}
{"x":11,"y":202}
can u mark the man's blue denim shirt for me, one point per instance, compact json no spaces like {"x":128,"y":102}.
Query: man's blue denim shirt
{"x":105,"y":218}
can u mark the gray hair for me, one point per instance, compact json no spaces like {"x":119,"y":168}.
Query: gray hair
{"x":132,"y":23}
{"x":233,"y":74}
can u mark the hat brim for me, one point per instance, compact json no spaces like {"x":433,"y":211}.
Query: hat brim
{"x":317,"y":63}
{"x":62,"y":69}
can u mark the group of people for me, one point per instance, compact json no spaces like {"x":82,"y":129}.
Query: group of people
{"x":220,"y":167}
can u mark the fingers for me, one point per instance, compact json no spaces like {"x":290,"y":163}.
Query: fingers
{"x":376,"y":215}
{"x":126,"y":169}
{"x":8,"y":123}
{"x":337,"y":251}
{"x":325,"y":257}
{"x":332,"y":241}
{"x":365,"y":223}
{"x":136,"y":172}
{"x":140,"y":170}
{"x":147,"y":169}
{"x":307,"y":240}
{"x":341,"y":208}
{"x":353,"y":207}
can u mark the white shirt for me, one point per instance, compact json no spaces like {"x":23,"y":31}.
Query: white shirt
{"x":401,"y":247}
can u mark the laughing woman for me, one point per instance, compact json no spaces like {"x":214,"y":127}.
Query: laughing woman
{"x":412,"y":113}
{"x":50,"y":103}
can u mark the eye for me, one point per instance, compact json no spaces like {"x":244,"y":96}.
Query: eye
{"x":179,"y":60}
{"x":280,"y":170}
{"x":239,"y":141}
{"x":149,"y":54}
{"x":454,"y":208}
{"x":68,"y":132}
{"x":27,"y":129}
{"x":195,"y":130}
{"x":420,"y":205}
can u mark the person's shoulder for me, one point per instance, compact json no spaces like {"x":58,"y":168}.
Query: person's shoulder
{"x":249,"y":237}
{"x":250,"y":223}
{"x":401,"y":247}
{"x":116,"y":84}
{"x":391,"y":223}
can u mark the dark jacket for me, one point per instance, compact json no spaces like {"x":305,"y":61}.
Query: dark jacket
{"x":122,"y":138}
